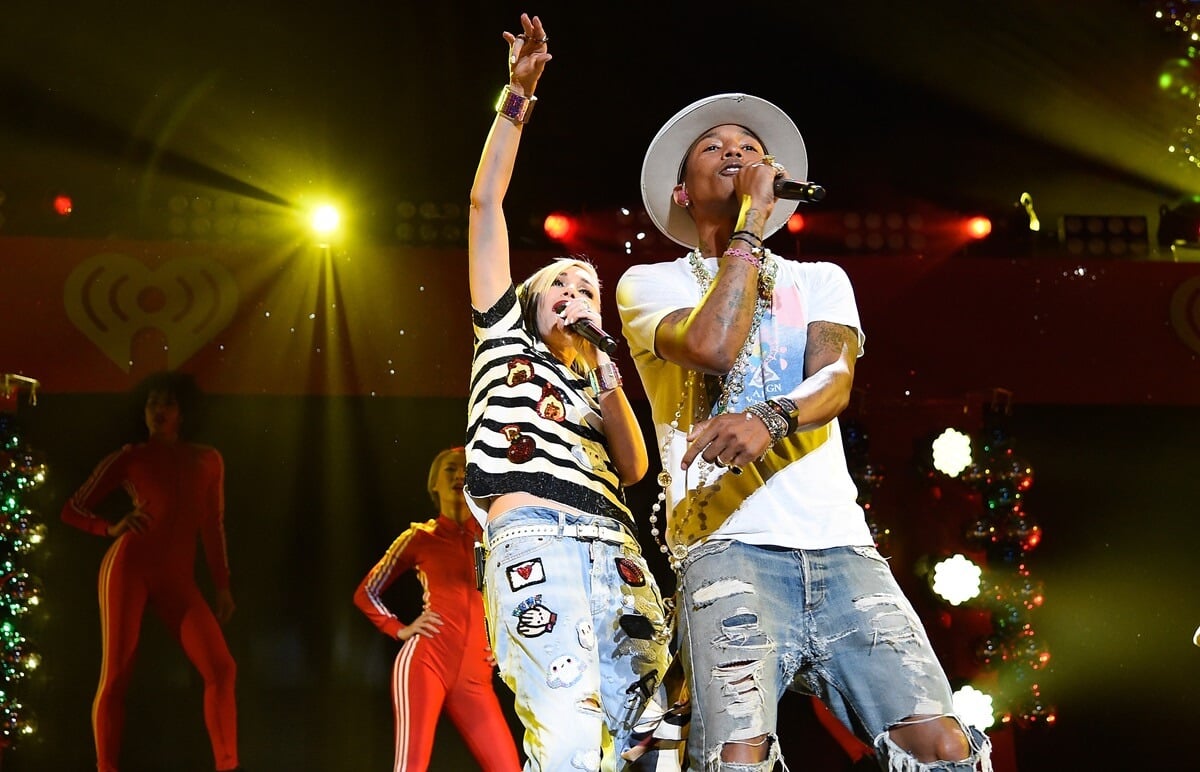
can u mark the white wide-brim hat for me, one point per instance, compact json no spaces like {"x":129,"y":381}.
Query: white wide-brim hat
{"x":664,"y":158}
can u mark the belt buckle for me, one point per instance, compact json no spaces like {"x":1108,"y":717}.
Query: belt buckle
{"x":587,"y":532}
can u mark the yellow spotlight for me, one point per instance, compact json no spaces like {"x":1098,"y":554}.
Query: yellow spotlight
{"x":951,"y":452}
{"x":324,"y":220}
{"x":956,"y":579}
{"x":974,"y":707}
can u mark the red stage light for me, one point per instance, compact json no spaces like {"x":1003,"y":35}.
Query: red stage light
{"x":978,"y":227}
{"x":560,"y":227}
{"x":63,"y":206}
{"x":795,"y":223}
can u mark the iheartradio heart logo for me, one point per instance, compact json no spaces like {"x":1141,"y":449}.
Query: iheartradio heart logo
{"x":112,"y":297}
{"x":1185,"y":312}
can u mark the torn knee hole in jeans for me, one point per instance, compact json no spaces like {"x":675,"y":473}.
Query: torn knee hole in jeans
{"x":740,"y":688}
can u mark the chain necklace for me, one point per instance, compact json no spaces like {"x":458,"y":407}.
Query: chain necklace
{"x":734,"y":381}
{"x":732,"y":385}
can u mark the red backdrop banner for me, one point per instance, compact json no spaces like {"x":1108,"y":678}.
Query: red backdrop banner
{"x":87,"y":316}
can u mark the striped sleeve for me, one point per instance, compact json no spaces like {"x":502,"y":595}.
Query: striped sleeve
{"x":107,"y":476}
{"x":401,"y":556}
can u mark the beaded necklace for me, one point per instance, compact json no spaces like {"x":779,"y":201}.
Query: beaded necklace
{"x":732,"y":385}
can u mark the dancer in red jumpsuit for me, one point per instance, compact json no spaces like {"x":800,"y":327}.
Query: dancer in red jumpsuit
{"x":177,"y":490}
{"x":445,"y":659}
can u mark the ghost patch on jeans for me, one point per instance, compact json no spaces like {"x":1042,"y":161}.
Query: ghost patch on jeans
{"x":564,"y":671}
{"x":526,"y":574}
{"x":586,"y":634}
{"x":534,"y":619}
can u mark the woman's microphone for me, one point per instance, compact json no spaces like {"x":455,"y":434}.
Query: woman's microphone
{"x":585,"y":329}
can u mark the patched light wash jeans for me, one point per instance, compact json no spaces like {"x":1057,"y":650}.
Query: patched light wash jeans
{"x":754,"y":621}
{"x":579,"y":633}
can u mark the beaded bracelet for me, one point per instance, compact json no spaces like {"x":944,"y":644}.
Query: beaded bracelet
{"x":789,"y":408}
{"x":748,"y":237}
{"x":515,"y":107}
{"x":743,"y":254}
{"x":776,"y":424}
{"x":606,"y":377}
{"x":783,"y":412}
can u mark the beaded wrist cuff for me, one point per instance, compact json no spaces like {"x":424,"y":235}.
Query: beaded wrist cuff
{"x":515,"y":107}
{"x":606,"y":377}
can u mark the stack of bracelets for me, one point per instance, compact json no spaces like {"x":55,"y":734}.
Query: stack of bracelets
{"x":753,"y":255}
{"x":778,"y":415}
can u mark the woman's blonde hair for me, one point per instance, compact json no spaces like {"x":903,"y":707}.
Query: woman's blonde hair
{"x":435,"y":468}
{"x":530,"y":292}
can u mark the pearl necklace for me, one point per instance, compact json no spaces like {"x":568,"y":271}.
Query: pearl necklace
{"x":732,"y":385}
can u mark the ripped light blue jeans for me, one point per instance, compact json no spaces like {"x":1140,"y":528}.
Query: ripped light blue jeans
{"x":754,"y":621}
{"x":579,"y":633}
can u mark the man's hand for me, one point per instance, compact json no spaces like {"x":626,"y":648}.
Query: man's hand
{"x":730,"y":439}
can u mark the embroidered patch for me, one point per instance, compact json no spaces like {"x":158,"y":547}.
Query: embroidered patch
{"x":586,"y":634}
{"x":525,"y":574}
{"x":534,"y":619}
{"x":630,"y":572}
{"x":520,"y":446}
{"x":564,"y":671}
{"x":551,"y":406}
{"x":520,"y":370}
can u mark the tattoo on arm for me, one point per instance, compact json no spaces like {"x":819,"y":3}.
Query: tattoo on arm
{"x":828,"y":342}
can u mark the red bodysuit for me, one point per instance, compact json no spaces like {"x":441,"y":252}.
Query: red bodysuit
{"x":181,"y":487}
{"x":451,"y":667}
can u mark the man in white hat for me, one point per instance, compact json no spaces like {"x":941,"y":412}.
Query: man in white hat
{"x":748,"y":359}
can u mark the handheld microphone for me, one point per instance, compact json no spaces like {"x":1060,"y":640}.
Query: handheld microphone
{"x":585,"y":329}
{"x":793,"y":190}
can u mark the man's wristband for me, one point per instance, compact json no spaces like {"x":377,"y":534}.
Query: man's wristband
{"x":515,"y":107}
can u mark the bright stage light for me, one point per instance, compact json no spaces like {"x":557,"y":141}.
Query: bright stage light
{"x":63,"y":206}
{"x":951,"y":452}
{"x":978,"y":227}
{"x":974,"y":707}
{"x":560,"y":227}
{"x":795,"y":223}
{"x":956,"y":579}
{"x":324,"y":220}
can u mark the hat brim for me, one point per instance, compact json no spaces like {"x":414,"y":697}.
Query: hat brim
{"x":660,"y":170}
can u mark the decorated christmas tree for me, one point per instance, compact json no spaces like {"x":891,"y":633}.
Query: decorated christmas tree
{"x":22,"y":471}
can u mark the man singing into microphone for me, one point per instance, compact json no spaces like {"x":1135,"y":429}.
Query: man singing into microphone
{"x":748,"y":359}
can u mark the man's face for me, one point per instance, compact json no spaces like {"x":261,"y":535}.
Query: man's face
{"x":715,"y":158}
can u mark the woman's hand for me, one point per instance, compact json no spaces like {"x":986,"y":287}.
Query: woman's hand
{"x":429,"y":623}
{"x":224,"y":606}
{"x":527,"y":55}
{"x":573,"y":311}
{"x":136,"y":521}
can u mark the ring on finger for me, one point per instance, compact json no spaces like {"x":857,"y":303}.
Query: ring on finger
{"x":719,"y":462}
